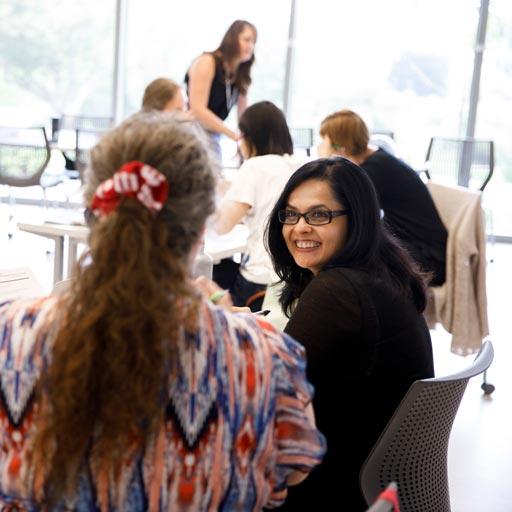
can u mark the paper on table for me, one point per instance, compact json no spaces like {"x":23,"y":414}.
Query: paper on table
{"x":18,"y":283}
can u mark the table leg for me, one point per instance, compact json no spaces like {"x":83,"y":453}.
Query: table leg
{"x":58,"y":260}
{"x":72,"y":250}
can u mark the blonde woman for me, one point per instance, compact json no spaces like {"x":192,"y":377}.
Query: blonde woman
{"x":163,"y":94}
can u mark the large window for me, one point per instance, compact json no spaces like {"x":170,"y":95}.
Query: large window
{"x":494,"y":119}
{"x":165,"y":36}
{"x":404,"y":65}
{"x":55,"y":58}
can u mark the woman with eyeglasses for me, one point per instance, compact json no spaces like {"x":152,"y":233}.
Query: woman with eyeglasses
{"x":131,"y":391}
{"x":355,"y":300}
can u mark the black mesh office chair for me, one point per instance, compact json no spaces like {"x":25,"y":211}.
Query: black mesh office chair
{"x":24,"y":156}
{"x":466,"y":161}
{"x":84,"y":141}
{"x":302,"y":139}
{"x":412,"y":450}
{"x":87,"y":131}
{"x":94,"y":123}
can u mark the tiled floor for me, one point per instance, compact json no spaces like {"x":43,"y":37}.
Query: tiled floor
{"x":480,"y":457}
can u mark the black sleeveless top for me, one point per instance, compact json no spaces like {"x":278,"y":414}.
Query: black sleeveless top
{"x":222,"y":95}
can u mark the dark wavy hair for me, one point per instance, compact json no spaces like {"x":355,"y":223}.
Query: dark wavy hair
{"x":112,"y":357}
{"x":229,"y":50}
{"x":369,"y":246}
{"x":265,"y":131}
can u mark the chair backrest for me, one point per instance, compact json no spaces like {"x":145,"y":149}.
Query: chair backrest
{"x":387,"y":133}
{"x":70,"y":122}
{"x":452,"y":202}
{"x":460,"y":161}
{"x":24,"y":155}
{"x":413,"y":448}
{"x":385,"y":142}
{"x":302,"y":139}
{"x":84,"y":141}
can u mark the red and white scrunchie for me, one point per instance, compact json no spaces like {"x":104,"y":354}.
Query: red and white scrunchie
{"x":133,"y":179}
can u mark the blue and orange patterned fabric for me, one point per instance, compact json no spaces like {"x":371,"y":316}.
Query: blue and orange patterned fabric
{"x":235,"y":424}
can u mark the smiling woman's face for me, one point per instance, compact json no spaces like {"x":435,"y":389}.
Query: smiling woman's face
{"x":313,"y":246}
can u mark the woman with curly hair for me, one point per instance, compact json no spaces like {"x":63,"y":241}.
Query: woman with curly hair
{"x":131,"y":391}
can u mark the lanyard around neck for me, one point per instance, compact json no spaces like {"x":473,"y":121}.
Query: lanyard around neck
{"x":229,"y":95}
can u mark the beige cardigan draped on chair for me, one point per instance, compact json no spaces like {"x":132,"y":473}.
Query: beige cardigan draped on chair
{"x":461,"y":302}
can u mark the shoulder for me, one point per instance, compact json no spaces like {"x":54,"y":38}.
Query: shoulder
{"x":338,"y":282}
{"x":382,"y":159}
{"x":246,"y":333}
{"x":25,"y":341}
{"x":379,"y":157}
{"x":24,"y":321}
{"x":331,"y":304}
{"x":258,"y":162}
{"x":333,"y":291}
{"x":270,"y":163}
{"x":28,"y":313}
{"x":204,"y":64}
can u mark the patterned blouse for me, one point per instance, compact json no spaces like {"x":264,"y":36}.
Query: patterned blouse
{"x":235,"y":424}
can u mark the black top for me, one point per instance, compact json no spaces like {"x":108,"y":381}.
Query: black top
{"x":220,"y":91}
{"x":365,"y":346}
{"x":409,"y":211}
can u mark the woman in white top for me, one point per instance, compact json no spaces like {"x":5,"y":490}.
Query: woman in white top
{"x":266,"y":146}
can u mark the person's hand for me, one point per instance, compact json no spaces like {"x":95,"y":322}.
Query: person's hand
{"x":213,"y":292}
{"x":238,"y":309}
{"x":234,"y":136}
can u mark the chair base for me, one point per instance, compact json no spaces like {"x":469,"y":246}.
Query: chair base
{"x":487,"y":388}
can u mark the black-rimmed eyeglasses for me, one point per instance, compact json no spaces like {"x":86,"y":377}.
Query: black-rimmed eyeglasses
{"x":313,"y":217}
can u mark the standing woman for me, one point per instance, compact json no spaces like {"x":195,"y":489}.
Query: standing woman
{"x":218,"y":80}
{"x":355,"y":301}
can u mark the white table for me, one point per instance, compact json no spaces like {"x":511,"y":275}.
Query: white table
{"x":218,"y":247}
